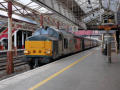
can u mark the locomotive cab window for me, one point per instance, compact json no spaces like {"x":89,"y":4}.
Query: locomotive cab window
{"x":46,"y":31}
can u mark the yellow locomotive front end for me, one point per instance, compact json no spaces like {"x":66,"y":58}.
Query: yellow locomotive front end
{"x":38,"y":48}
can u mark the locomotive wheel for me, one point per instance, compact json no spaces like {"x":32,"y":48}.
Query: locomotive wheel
{"x":31,"y":64}
{"x":55,"y":56}
{"x":34,"y":63}
{"x":45,"y":61}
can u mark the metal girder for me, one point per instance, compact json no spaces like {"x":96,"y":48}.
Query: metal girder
{"x":93,"y":19}
{"x":30,"y":13}
{"x":91,"y":12}
{"x":26,"y":16}
{"x":59,"y":9}
{"x":25,"y":7}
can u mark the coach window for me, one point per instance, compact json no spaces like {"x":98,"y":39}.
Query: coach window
{"x":65,"y":43}
{"x":60,"y":36}
{"x":75,"y":40}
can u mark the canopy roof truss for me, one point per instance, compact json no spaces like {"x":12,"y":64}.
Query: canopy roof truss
{"x":73,"y":11}
{"x":32,"y":10}
{"x":93,"y":7}
{"x":20,"y":9}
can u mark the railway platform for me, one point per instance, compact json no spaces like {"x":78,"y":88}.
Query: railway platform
{"x":87,"y":70}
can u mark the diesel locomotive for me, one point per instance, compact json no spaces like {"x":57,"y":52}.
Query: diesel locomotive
{"x":47,"y":44}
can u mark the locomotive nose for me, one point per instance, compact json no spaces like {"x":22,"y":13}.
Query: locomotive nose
{"x":38,"y":45}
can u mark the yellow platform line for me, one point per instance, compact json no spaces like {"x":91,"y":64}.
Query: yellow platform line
{"x":59,"y":72}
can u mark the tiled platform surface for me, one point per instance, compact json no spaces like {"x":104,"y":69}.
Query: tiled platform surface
{"x":91,"y":73}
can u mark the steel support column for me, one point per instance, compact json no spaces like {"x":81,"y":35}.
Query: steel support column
{"x":109,"y":52}
{"x":10,"y":67}
{"x":117,"y":38}
{"x":41,"y":20}
{"x":58,"y":25}
{"x":102,"y":43}
{"x":26,"y":34}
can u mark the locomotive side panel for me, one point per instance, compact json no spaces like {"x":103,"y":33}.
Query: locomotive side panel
{"x":71,"y":46}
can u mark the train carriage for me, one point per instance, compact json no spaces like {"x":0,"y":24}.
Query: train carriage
{"x":69,"y":45}
{"x":48,"y":44}
{"x":78,"y":43}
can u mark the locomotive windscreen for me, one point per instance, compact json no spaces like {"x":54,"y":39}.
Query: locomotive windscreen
{"x":48,"y":31}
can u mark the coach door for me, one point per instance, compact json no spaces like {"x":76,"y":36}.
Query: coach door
{"x":61,"y":48}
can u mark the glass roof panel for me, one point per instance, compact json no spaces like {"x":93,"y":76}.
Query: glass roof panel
{"x":5,"y":4}
{"x":34,"y":6}
{"x":93,"y":15}
{"x":112,"y":5}
{"x":88,"y":5}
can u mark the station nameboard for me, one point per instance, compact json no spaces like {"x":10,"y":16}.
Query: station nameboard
{"x":108,"y":27}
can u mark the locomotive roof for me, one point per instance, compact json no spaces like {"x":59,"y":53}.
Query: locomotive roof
{"x":66,"y":33}
{"x":41,"y":38}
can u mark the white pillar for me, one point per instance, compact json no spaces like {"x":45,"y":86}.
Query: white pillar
{"x":22,"y":40}
{"x":15,"y":39}
{"x":2,"y":46}
{"x":15,"y":42}
{"x":9,"y":34}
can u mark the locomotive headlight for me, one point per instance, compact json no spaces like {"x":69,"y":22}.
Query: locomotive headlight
{"x":48,"y":52}
{"x":26,"y":52}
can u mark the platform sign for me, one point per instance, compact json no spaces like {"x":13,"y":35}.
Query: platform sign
{"x":107,"y":27}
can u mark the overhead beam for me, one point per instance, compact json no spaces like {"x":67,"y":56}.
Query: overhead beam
{"x":74,"y":7}
{"x":25,"y":7}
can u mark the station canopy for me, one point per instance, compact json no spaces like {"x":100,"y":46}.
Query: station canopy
{"x":92,"y":8}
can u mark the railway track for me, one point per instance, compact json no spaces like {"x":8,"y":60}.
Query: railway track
{"x":17,"y":61}
{"x":3,"y":54}
{"x":19,"y":65}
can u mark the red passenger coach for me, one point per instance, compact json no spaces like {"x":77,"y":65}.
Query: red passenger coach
{"x":78,"y":43}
